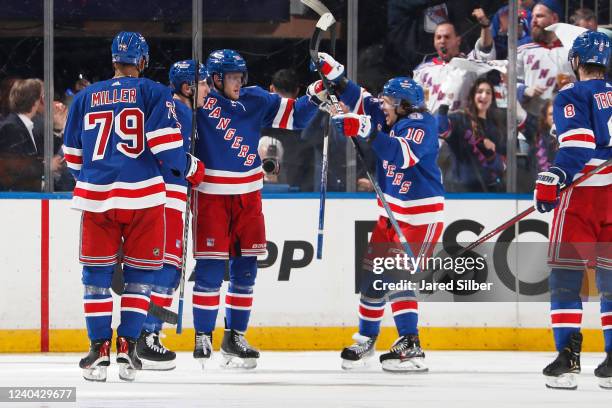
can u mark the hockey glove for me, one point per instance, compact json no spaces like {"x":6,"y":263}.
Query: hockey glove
{"x":317,"y":94}
{"x":330,"y":68}
{"x":195,"y":170}
{"x":548,"y":185}
{"x":352,"y":124}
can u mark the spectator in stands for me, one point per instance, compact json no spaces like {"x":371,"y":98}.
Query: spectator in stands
{"x":476,"y":162}
{"x":271,"y":153}
{"x":22,"y":166}
{"x":5,"y":90}
{"x":297,"y":162}
{"x":499,"y":27}
{"x":542,"y":65}
{"x":445,"y":83}
{"x":586,"y":18}
{"x":545,"y":144}
{"x":79,"y":84}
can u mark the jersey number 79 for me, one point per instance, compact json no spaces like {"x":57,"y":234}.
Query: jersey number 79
{"x":128,"y":125}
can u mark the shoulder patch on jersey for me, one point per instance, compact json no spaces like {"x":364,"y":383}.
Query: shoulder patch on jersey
{"x":415,"y":115}
{"x":568,"y":86}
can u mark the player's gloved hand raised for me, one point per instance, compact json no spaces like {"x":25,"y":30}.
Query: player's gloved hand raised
{"x":330,"y":68}
{"x":548,"y":184}
{"x":195,"y":170}
{"x":352,"y":124}
{"x":317,"y":93}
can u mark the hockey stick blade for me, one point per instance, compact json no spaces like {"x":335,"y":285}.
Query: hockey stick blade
{"x":163,"y":314}
{"x":316,"y":6}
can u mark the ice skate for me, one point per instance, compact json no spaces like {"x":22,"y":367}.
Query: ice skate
{"x":405,"y":356}
{"x":604,"y":373}
{"x":95,"y":363}
{"x":153,"y":354}
{"x":203,"y":347}
{"x":359,"y":353}
{"x":560,"y":374}
{"x":236,"y":351}
{"x":127,"y":358}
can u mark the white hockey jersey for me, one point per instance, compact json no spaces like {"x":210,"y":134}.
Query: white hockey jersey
{"x":445,"y":83}
{"x":539,"y":65}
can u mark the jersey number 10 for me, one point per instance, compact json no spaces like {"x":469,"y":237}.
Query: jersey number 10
{"x":128,"y":125}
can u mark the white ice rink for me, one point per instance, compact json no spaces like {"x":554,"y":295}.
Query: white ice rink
{"x":314,"y":379}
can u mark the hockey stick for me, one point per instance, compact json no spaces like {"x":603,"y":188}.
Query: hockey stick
{"x":324,"y":158}
{"x":194,"y":136}
{"x":325,"y":21}
{"x":529,"y":210}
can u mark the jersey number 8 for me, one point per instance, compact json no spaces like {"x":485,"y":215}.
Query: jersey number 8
{"x":128,"y":125}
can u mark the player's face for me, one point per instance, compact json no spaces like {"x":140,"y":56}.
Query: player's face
{"x":446,"y":42}
{"x":483,"y":98}
{"x":389,"y":109}
{"x":232,"y":82}
{"x":203,"y":90}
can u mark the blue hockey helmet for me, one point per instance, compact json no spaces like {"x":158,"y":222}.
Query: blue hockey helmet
{"x":184,"y":72}
{"x":130,"y":48}
{"x":591,"y":47}
{"x":224,"y":61}
{"x":404,"y":89}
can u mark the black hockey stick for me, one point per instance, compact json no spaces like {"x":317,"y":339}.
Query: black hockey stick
{"x":325,"y":21}
{"x":194,"y":136}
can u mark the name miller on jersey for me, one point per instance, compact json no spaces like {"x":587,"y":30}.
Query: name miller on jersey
{"x":127,"y":95}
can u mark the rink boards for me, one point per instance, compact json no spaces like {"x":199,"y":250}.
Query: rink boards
{"x":301,"y":303}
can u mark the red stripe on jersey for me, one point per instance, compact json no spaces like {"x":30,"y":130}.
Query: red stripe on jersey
{"x":98,"y":307}
{"x":605,"y":170}
{"x":170,"y":138}
{"x":404,"y":305}
{"x":566,"y":318}
{"x":417,"y":209}
{"x":137,"y":303}
{"x":161,"y":301}
{"x":70,"y":158}
{"x":606,"y":320}
{"x":212,"y":300}
{"x":176,"y":194}
{"x":233,"y":180}
{"x":119,"y":192}
{"x":286,"y":114}
{"x":239,"y":301}
{"x":371,"y":313}
{"x":580,"y":137}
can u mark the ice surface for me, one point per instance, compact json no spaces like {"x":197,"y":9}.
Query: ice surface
{"x":314,"y":379}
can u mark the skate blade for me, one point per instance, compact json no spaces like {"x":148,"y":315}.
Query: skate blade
{"x":203,"y":362}
{"x":356,"y":365}
{"x":562,"y":382}
{"x":606,"y":383}
{"x":413,"y":365}
{"x":95,"y":374}
{"x":126,"y":372}
{"x":158,"y":365}
{"x":234,"y":362}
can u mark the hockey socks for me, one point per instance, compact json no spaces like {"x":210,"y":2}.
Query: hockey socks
{"x":565,"y":304}
{"x":98,"y":307}
{"x":406,"y":316}
{"x":238,"y":303}
{"x":604,"y":285}
{"x":161,"y":295}
{"x":205,"y":308}
{"x":370,"y":315}
{"x":134,"y":309}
